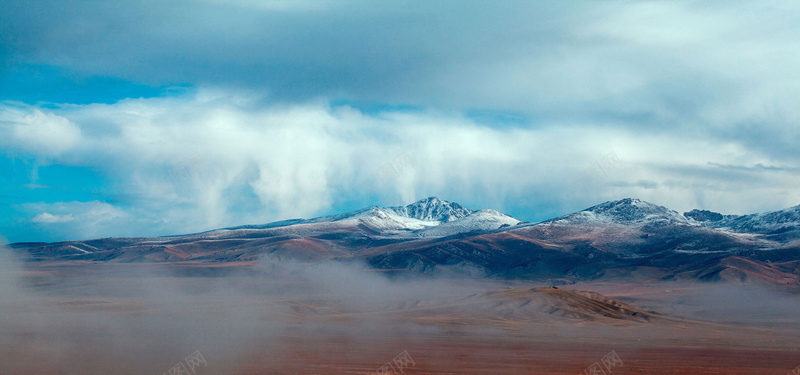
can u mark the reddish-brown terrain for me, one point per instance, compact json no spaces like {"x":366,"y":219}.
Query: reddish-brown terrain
{"x":249,"y":319}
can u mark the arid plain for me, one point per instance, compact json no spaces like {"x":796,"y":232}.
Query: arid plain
{"x":265,"y":318}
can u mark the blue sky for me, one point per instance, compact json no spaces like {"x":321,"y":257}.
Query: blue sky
{"x":148,"y":118}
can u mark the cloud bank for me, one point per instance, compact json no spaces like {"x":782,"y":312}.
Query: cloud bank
{"x":203,"y":161}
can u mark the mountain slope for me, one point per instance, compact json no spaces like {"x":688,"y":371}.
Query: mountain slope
{"x":628,"y":238}
{"x":783,"y":225}
{"x":433,"y":209}
{"x":339,"y":235}
{"x":483,"y":220}
{"x":625,"y":239}
{"x":626,"y":211}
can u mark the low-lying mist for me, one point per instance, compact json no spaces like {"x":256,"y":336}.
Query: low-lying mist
{"x":277,"y":316}
{"x":146,"y":318}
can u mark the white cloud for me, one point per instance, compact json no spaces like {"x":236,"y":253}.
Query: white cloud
{"x":82,"y":220}
{"x":202,"y":161}
{"x":664,"y":24}
{"x":48,"y":218}
{"x":652,"y":66}
{"x":31,"y":130}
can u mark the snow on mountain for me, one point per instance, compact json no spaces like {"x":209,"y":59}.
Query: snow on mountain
{"x":399,"y":220}
{"x":432,"y":217}
{"x":626,"y":211}
{"x":433,"y":209}
{"x":763,"y":223}
{"x":387,"y":219}
{"x":483,"y":220}
{"x":407,"y":220}
{"x":429,"y":217}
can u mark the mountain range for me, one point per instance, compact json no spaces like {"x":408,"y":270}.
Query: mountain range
{"x":628,"y":239}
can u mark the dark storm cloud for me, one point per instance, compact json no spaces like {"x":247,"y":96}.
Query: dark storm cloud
{"x":351,"y":48}
{"x":664,"y":60}
{"x":406,"y":51}
{"x":647,"y":65}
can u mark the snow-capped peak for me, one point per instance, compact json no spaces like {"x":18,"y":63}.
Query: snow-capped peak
{"x":427,"y":217}
{"x":626,"y":211}
{"x":632,"y":209}
{"x":433,"y":209}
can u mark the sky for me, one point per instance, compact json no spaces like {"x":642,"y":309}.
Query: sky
{"x":147,"y":118}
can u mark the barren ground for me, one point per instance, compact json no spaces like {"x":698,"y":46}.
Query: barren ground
{"x":131,"y":319}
